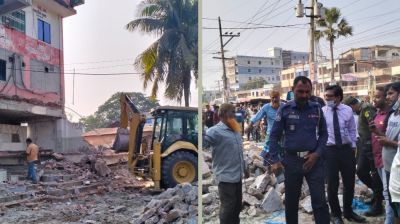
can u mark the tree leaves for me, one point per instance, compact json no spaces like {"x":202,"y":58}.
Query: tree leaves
{"x":173,"y":57}
{"x":109,"y":112}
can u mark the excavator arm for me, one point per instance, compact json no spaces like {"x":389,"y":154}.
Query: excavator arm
{"x":132,"y":118}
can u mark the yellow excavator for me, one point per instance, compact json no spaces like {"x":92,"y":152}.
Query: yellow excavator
{"x":172,"y":156}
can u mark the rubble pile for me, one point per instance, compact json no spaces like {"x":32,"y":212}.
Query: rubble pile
{"x":262,"y":193}
{"x":177,"y":205}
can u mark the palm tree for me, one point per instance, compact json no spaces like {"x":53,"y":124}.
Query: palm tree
{"x":172,"y":58}
{"x":332,"y":29}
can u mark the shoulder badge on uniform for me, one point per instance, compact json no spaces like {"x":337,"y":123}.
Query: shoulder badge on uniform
{"x":278,"y":117}
{"x":366,"y":114}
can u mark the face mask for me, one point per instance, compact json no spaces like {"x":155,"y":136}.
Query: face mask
{"x":330,"y":103}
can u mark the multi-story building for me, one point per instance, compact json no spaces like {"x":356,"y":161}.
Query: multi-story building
{"x":293,"y":57}
{"x":243,"y":69}
{"x":373,"y":53}
{"x":289,"y":74}
{"x":31,"y":73}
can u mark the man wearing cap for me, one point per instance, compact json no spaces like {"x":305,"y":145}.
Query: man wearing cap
{"x":303,"y":126}
{"x":366,"y":170}
{"x":340,"y":154}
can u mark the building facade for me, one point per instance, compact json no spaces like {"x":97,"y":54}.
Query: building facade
{"x":244,"y":69}
{"x":293,"y":57}
{"x":31,"y":73}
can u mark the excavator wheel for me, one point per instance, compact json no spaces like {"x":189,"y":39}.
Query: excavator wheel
{"x":179,"y":167}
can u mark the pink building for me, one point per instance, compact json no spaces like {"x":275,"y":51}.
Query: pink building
{"x":31,"y":74}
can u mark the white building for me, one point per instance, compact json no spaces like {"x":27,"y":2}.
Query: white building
{"x":243,"y":69}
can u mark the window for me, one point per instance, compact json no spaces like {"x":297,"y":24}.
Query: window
{"x":2,"y":70}
{"x":15,"y":20}
{"x":259,"y":62}
{"x":249,"y":78}
{"x":249,"y":70}
{"x":44,"y":32}
{"x":272,"y":63}
{"x":259,"y":70}
{"x":248,"y":62}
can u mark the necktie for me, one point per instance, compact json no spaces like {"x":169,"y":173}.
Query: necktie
{"x":336,"y":127}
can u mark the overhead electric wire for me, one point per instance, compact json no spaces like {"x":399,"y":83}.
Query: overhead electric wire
{"x":368,"y":7}
{"x":260,"y":27}
{"x":370,"y":37}
{"x":264,"y":18}
{"x":352,"y":3}
{"x":102,"y":61}
{"x":81,"y":73}
{"x":395,"y":11}
{"x":216,"y":40}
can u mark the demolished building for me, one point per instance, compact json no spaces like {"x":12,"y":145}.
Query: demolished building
{"x":32,"y":91}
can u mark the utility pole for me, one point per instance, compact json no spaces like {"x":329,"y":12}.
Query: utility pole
{"x":224,"y":78}
{"x":316,"y":11}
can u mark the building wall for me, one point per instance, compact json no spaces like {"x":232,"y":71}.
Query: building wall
{"x":247,"y":68}
{"x":44,"y":133}
{"x":12,"y":137}
{"x":33,"y":87}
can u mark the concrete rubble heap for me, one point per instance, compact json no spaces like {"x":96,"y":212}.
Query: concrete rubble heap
{"x":262,"y":194}
{"x":94,"y":186}
{"x":177,"y":205}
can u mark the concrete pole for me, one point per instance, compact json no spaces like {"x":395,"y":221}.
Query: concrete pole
{"x":224,"y":78}
{"x":312,"y":45}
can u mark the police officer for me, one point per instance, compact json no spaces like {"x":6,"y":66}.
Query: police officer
{"x":305,"y":135}
{"x":366,"y":170}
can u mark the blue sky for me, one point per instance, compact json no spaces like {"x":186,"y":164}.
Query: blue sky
{"x":374,"y":22}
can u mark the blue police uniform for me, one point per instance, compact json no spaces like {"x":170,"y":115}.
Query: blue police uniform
{"x":303,"y":130}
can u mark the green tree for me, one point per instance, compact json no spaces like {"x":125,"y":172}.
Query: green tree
{"x":172,"y":58}
{"x":110,"y":111}
{"x":333,"y":27}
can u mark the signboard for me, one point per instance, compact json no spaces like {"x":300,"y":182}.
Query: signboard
{"x":396,"y":70}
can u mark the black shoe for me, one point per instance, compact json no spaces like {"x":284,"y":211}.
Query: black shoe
{"x":374,"y":210}
{"x":336,"y":220}
{"x":354,"y":217}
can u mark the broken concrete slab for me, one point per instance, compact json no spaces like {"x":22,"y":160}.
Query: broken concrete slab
{"x":261,"y":182}
{"x":101,"y":168}
{"x":306,"y":205}
{"x":272,"y":201}
{"x":250,"y":200}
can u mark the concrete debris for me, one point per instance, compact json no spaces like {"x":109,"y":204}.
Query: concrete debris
{"x":272,"y":201}
{"x":101,"y":168}
{"x":93,"y":187}
{"x":264,"y":195}
{"x":250,"y":200}
{"x":58,"y":156}
{"x":306,"y":204}
{"x":178,"y":204}
{"x":261,"y":182}
{"x":205,"y":169}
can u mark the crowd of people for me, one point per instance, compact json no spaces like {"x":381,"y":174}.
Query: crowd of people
{"x":315,"y":139}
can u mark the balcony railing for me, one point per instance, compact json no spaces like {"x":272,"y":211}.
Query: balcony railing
{"x":8,"y":6}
